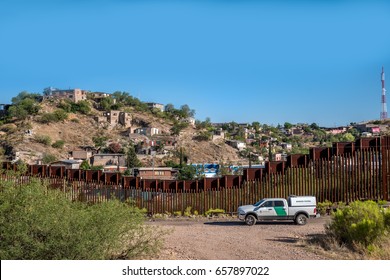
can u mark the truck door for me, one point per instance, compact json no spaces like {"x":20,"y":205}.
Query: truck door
{"x":280,"y":208}
{"x":266,"y":210}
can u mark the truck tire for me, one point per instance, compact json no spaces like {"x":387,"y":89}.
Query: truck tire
{"x":250,"y":220}
{"x":301,"y":219}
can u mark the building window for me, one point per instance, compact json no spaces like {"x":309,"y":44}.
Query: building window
{"x":160,"y":173}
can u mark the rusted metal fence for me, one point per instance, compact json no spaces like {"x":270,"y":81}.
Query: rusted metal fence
{"x":344,"y":172}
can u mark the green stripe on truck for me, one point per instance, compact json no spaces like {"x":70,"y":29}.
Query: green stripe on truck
{"x":280,"y":211}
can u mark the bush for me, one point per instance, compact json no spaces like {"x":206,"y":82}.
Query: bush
{"x":48,"y":158}
{"x":361,"y":222}
{"x":59,"y":144}
{"x":43,"y":139}
{"x":40,"y":223}
{"x":322,"y":207}
{"x":216,"y":211}
{"x":187,"y":211}
{"x":56,"y":116}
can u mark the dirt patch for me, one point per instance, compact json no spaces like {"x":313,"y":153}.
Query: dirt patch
{"x":230,"y":239}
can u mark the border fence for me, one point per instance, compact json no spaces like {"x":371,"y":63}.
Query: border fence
{"x":345,"y":172}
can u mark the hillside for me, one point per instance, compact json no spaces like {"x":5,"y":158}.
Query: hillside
{"x":78,"y":130}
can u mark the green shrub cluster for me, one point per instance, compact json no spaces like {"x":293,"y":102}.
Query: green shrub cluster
{"x":214,"y":212}
{"x":43,"y":139}
{"x":57,"y":116}
{"x":59,"y":144}
{"x":40,"y":223}
{"x":362,"y":223}
{"x":48,"y":158}
{"x":322,"y":207}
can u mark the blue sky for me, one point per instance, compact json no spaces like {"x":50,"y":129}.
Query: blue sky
{"x":244,"y":61}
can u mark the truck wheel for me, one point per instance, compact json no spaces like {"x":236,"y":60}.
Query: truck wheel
{"x":300,"y":220}
{"x":250,"y":220}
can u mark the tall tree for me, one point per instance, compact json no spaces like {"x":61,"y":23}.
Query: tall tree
{"x":132,"y":159}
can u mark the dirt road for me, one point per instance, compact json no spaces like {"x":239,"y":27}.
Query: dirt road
{"x":230,"y":239}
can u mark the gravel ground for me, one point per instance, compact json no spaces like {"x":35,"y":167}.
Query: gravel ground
{"x":230,"y":239}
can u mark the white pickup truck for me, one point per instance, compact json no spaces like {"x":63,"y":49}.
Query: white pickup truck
{"x":296,"y":208}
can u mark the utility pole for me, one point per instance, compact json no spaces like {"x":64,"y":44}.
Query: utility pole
{"x":383,"y":99}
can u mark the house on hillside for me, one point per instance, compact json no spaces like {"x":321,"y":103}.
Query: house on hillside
{"x":108,"y":159}
{"x":148,"y":131}
{"x":218,"y":134}
{"x":97,"y":96}
{"x":74,"y":95}
{"x":81,"y":154}
{"x":236,"y":144}
{"x":153,"y":105}
{"x":371,"y":128}
{"x":336,"y":130}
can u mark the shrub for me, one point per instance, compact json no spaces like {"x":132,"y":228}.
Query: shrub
{"x":59,"y":144}
{"x":187,"y":212}
{"x":75,"y":120}
{"x":40,"y":223}
{"x":56,"y":116}
{"x":177,"y":213}
{"x":361,"y":222}
{"x":48,"y":158}
{"x":322,"y":207}
{"x":386,"y":216}
{"x":43,"y":139}
{"x":214,"y":212}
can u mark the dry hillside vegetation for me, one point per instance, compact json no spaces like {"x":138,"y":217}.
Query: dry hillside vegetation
{"x":78,"y":130}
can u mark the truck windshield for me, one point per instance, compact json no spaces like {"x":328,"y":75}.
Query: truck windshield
{"x":258,"y":203}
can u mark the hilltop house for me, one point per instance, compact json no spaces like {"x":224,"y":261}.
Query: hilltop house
{"x":153,"y":105}
{"x":74,"y":95}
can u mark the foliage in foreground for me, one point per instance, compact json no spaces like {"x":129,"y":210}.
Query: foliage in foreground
{"x":40,"y":223}
{"x":361,"y":224}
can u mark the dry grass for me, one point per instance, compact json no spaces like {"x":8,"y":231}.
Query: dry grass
{"x":327,"y":246}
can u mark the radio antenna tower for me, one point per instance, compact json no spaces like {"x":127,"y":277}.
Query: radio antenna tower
{"x":383,"y":101}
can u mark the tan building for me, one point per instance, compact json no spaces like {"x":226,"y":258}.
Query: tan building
{"x":125,"y":119}
{"x":165,"y":173}
{"x":81,"y":154}
{"x":108,"y":159}
{"x":75,"y":95}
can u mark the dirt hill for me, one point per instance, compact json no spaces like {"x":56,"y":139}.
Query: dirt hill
{"x":78,"y":130}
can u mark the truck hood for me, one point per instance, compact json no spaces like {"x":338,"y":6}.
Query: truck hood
{"x":245,"y":208}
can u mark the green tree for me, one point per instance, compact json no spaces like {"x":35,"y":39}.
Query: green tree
{"x":178,"y":127}
{"x":99,"y":141}
{"x":187,"y":172}
{"x":131,"y":158}
{"x":288,"y":125}
{"x":24,"y":108}
{"x":85,"y":165}
{"x":314,"y":126}
{"x":256,"y":126}
{"x":347,"y":137}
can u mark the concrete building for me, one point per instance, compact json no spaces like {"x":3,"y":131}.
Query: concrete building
{"x":166,"y":173}
{"x":74,"y":95}
{"x":108,"y":159}
{"x":148,"y":131}
{"x":153,"y":105}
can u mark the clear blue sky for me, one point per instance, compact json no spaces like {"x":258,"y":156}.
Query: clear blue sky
{"x":268,"y":61}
